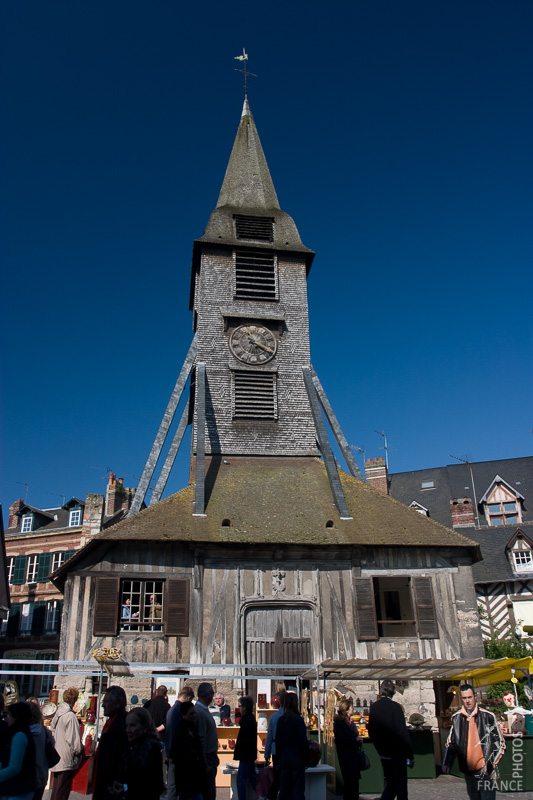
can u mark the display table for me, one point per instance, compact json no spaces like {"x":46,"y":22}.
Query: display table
{"x":315,"y":782}
{"x":372,"y":779}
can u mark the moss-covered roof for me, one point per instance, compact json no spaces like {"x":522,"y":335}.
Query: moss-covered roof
{"x":283,"y":500}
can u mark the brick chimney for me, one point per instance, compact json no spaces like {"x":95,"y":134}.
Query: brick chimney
{"x":118,"y":496}
{"x":13,"y":513}
{"x":376,"y":474}
{"x":462,"y":512}
{"x":93,"y":516}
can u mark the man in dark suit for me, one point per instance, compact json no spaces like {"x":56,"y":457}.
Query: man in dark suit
{"x":207,"y":732}
{"x":388,"y":733}
{"x":112,"y":744}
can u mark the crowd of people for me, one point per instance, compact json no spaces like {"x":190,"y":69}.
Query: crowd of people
{"x":135,"y":747}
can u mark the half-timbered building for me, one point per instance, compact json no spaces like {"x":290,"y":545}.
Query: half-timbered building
{"x":272,"y":553}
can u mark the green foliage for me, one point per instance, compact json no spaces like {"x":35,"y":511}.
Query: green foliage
{"x":497,"y":690}
{"x":507,"y":648}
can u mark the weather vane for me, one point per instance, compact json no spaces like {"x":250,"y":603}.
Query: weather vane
{"x":244,"y":59}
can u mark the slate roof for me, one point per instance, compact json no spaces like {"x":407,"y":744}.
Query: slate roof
{"x":283,"y":501}
{"x":57,"y":520}
{"x":454,"y":481}
{"x":496,"y":565}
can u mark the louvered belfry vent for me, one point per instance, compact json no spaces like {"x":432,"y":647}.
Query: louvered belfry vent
{"x":255,"y":395}
{"x":255,"y":275}
{"x":259,"y":229}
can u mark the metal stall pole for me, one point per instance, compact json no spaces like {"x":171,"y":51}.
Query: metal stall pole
{"x":318,"y":705}
{"x":98,"y":708}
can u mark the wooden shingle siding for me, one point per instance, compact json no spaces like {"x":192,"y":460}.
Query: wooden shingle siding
{"x":106,"y":606}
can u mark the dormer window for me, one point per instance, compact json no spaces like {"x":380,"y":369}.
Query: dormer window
{"x":520,"y":551}
{"x":74,"y":519}
{"x":420,"y":508}
{"x":27,"y":523}
{"x":502,"y":504}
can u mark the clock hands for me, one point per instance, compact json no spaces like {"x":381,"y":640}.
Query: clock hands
{"x":261,"y":346}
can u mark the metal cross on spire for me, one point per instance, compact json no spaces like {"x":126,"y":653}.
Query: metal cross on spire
{"x":244,"y":59}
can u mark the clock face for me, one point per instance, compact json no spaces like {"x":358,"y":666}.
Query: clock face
{"x":253,"y":344}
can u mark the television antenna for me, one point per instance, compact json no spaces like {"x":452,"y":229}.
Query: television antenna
{"x":385,"y":447}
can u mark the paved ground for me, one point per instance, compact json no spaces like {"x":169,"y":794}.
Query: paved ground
{"x":445,"y":787}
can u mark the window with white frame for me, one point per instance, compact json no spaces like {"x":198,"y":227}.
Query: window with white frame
{"x":74,"y":518}
{"x":27,"y":523}
{"x":57,"y":560}
{"x":53,"y":614}
{"x":31,"y":569}
{"x":26,"y":618}
{"x":47,"y":681}
{"x":10,"y":569}
{"x":523,"y":560}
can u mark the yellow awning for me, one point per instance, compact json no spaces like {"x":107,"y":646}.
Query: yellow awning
{"x":500,"y":671}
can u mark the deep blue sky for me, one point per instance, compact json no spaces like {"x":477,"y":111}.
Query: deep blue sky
{"x":399,"y":137}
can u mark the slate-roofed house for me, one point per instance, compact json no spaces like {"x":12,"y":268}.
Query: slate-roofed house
{"x":271,"y":554}
{"x":37,"y":542}
{"x":490,"y":502}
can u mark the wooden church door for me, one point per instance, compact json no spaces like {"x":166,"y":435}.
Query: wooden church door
{"x":279,"y":635}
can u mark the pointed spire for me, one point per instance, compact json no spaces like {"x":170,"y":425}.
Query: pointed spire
{"x":248,"y":189}
{"x":247,"y":183}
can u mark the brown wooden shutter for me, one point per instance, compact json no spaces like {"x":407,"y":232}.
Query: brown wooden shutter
{"x":106,"y":606}
{"x":177,"y":607}
{"x":426,"y":615}
{"x":365,"y":609}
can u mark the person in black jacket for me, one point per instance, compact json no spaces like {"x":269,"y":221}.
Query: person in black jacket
{"x":187,"y":756}
{"x":158,"y":708}
{"x":347,"y":742}
{"x":388,"y":733}
{"x":140,"y":776}
{"x":246,"y":747}
{"x":478,"y":743}
{"x":292,"y":748}
{"x":112,"y":744}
